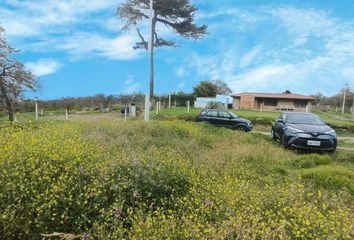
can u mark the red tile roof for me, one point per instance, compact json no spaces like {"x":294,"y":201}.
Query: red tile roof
{"x":275,"y":95}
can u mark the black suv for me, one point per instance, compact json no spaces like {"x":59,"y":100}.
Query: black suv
{"x":304,"y":131}
{"x":225,"y":118}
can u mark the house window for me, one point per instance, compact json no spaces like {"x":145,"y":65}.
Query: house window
{"x":300,"y":103}
{"x":270,"y":102}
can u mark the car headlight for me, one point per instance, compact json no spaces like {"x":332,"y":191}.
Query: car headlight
{"x":294,"y":130}
{"x":331,"y":132}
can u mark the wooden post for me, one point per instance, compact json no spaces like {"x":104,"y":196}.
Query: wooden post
{"x":344,"y":97}
{"x":36,"y":108}
{"x":66,"y":114}
{"x":353,"y":111}
{"x":169,"y":100}
{"x":133,"y":111}
{"x":188,"y":106}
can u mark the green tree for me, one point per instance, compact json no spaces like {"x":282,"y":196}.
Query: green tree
{"x":211,"y":88}
{"x":14,"y":78}
{"x":178,"y":15}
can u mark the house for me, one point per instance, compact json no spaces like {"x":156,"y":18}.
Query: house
{"x":202,"y":102}
{"x":272,"y":101}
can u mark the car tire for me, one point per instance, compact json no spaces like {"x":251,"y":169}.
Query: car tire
{"x":283,"y":141}
{"x":241,"y":128}
{"x":273,"y":135}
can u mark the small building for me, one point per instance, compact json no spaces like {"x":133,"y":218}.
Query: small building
{"x":272,"y":101}
{"x":203,"y":102}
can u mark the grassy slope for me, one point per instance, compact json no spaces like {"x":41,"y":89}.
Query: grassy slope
{"x":167,"y":179}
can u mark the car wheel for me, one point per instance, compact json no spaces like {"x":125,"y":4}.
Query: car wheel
{"x":284,"y":142}
{"x":241,"y":128}
{"x":273,"y":135}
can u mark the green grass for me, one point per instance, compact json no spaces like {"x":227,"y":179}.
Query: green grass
{"x":167,"y":180}
{"x":332,"y":176}
{"x":346,"y":143}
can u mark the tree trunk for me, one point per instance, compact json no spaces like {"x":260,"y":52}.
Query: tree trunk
{"x":152,"y":60}
{"x":8,"y":102}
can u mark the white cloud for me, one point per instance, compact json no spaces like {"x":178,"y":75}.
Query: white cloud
{"x":180,"y":71}
{"x":84,"y":45}
{"x":43,"y":67}
{"x":181,"y":85}
{"x":81,"y":28}
{"x":304,"y":50}
{"x":130,"y":85}
{"x":250,"y":56}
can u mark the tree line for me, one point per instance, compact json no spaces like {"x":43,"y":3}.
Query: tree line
{"x":335,"y":100}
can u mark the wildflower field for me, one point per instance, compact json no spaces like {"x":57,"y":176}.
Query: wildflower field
{"x":167,"y":180}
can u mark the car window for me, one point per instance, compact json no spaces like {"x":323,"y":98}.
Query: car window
{"x":203,"y":113}
{"x":212,"y":114}
{"x":224,"y":115}
{"x":233,"y":114}
{"x":303,"y":118}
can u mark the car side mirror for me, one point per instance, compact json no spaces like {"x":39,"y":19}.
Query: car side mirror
{"x":280,"y":120}
{"x":327,"y":123}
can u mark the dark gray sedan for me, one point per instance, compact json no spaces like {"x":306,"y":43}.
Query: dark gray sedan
{"x":304,"y":131}
{"x":224,"y":118}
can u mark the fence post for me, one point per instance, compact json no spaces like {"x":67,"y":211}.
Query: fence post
{"x":133,"y":111}
{"x":36,"y":108}
{"x":125,"y":114}
{"x":157,"y":108}
{"x":188,"y":106}
{"x":66,"y":114}
{"x":169,"y":100}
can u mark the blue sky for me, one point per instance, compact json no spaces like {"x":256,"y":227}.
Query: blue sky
{"x":77,"y":48}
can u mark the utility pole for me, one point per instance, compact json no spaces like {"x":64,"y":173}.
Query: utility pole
{"x":151,"y":51}
{"x":345,"y":95}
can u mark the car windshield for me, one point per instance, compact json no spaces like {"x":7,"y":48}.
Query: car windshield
{"x":303,"y":118}
{"x":233,"y":114}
